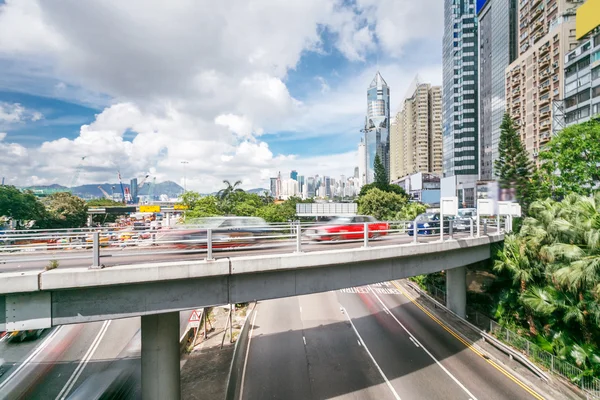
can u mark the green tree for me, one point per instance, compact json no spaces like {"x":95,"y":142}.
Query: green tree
{"x":381,"y":205}
{"x":410,"y":211}
{"x":202,"y":206}
{"x":20,"y":206}
{"x":64,"y":211}
{"x":229,"y":189}
{"x":381,"y":178}
{"x":513,"y":166}
{"x":570,"y":160}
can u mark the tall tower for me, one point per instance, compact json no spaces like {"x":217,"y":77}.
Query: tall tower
{"x":362,"y":163}
{"x":377,"y":126}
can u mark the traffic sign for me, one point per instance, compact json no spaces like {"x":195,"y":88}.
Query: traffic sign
{"x":194,"y":319}
{"x":180,"y":207}
{"x":150,"y":209}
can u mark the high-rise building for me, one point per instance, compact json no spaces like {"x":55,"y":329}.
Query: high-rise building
{"x":133,"y":184}
{"x":377,"y":126}
{"x":300,"y":183}
{"x":416,"y":133}
{"x":356,"y":172}
{"x":294,"y":175}
{"x":535,"y":80}
{"x":362,"y":163}
{"x":273,"y":187}
{"x":459,"y":58}
{"x":310,"y":187}
{"x":582,"y":68}
{"x":497,"y":28}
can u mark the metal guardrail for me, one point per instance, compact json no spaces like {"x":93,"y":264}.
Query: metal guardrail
{"x":589,"y":384}
{"x":91,"y":244}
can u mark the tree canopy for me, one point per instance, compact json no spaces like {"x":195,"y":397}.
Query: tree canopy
{"x":570,"y":162}
{"x":20,"y":206}
{"x":64,"y":210}
{"x":381,"y":205}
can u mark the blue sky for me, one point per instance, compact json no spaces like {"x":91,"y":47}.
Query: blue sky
{"x":271,"y":87}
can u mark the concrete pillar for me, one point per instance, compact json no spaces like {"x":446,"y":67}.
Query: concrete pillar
{"x":456,"y":290}
{"x":160,"y":357}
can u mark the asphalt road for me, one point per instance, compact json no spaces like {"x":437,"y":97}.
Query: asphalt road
{"x":306,"y":347}
{"x":54,"y":365}
{"x":112,"y":257}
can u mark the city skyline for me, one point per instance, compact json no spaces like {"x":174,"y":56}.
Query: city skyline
{"x":243,"y":113}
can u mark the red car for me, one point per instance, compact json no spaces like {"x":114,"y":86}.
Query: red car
{"x":348,"y":228}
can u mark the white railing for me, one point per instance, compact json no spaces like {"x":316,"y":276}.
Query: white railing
{"x":96,"y":243}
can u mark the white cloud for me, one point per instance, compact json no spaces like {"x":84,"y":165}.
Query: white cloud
{"x":200,"y":81}
{"x":15,"y":113}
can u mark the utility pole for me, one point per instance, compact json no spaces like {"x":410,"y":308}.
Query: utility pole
{"x":184,"y":177}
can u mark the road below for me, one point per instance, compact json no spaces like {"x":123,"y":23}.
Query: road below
{"x":53,"y":366}
{"x":112,"y":257}
{"x":364,"y":343}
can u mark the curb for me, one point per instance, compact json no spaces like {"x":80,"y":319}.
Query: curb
{"x":513,"y":354}
{"x":239,"y":354}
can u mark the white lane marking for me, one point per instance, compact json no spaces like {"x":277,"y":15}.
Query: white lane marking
{"x":247,"y":352}
{"x":358,"y":341}
{"x":426,"y":351}
{"x":304,"y":340}
{"x":415,"y":343}
{"x":34,"y":353}
{"x":84,"y":361}
{"x":300,"y":309}
{"x":362,"y":342}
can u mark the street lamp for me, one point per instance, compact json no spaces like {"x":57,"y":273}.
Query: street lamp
{"x":184,"y":177}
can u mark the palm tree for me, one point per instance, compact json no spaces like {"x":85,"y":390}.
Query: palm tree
{"x":223,"y":194}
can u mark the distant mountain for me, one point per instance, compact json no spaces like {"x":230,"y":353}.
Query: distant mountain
{"x":91,"y":191}
{"x":169,"y":188}
{"x":257,"y":190}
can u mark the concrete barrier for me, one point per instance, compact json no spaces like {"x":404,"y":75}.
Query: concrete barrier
{"x":239,"y":356}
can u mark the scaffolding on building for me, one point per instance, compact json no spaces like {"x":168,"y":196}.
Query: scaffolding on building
{"x":558,"y":116}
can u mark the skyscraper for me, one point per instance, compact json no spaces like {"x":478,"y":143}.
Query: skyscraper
{"x":535,"y":81}
{"x":310,"y":187}
{"x":362,"y":163}
{"x":416,"y":135}
{"x":497,"y":49}
{"x":377,"y":126}
{"x":294,"y":175}
{"x":273,"y":187}
{"x":460,"y":108}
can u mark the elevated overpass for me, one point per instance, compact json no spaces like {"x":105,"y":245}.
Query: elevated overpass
{"x":157,"y":291}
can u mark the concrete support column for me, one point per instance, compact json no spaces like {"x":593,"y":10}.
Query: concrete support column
{"x":160,"y":357}
{"x":456,"y":290}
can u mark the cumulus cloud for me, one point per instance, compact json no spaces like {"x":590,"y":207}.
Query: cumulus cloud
{"x":15,"y":112}
{"x":180,"y":83}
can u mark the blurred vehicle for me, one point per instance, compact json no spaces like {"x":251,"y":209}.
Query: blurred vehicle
{"x":348,"y":228}
{"x":463,"y":221}
{"x":226,"y":232}
{"x":21,"y":336}
{"x":112,"y":383}
{"x":427,"y":224}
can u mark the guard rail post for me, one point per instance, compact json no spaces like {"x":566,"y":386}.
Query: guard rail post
{"x":366,"y":234}
{"x":471,"y":227}
{"x":209,"y":244}
{"x":485,"y":226}
{"x":498,"y":223}
{"x":415,"y":231}
{"x":450,"y":232}
{"x":298,"y":237}
{"x":96,"y":250}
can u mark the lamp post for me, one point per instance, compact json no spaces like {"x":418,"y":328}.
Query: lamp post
{"x":184,"y":177}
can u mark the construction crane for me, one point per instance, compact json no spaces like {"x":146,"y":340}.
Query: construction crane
{"x":77,"y":172}
{"x":142,"y":181}
{"x":122,"y":187}
{"x":151,"y":190}
{"x":105,"y":193}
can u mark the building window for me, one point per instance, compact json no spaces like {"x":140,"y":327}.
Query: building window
{"x":596,"y":91}
{"x":596,"y":56}
{"x":571,"y":101}
{"x":596,"y":73}
{"x":583,"y":96}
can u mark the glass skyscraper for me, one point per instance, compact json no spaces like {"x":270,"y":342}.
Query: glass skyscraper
{"x":498,"y":48}
{"x":377,"y":125}
{"x":460,"y":108}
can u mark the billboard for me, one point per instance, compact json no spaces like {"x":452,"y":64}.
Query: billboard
{"x":588,"y":18}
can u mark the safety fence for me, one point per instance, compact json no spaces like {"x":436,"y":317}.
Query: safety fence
{"x":589,"y":384}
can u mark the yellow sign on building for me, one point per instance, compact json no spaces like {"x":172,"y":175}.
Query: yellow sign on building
{"x":588,"y":18}
{"x":150,"y":209}
{"x":180,"y":207}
